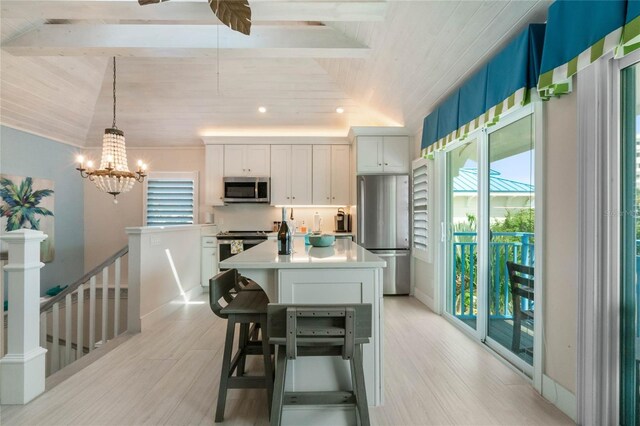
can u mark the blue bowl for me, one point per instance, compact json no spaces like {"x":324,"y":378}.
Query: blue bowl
{"x":321,"y":240}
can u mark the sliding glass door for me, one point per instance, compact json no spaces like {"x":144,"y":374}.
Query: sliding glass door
{"x":630,"y":289}
{"x":489,"y":228}
{"x":462,"y":193}
{"x":511,"y":218}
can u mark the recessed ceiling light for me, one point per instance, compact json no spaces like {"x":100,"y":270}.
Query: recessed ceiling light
{"x":262,"y":109}
{"x":339,"y":110}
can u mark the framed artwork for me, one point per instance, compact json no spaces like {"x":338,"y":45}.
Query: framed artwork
{"x":27,"y":202}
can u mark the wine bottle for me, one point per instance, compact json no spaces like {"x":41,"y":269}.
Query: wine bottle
{"x":284,"y":235}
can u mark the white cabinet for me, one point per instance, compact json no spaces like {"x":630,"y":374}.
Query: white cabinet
{"x":321,"y":174}
{"x":246,"y":160}
{"x":214,"y":173}
{"x":331,"y":175}
{"x":369,"y":153}
{"x":340,"y":175}
{"x":395,"y":154}
{"x":291,"y":167}
{"x":209,"y":259}
{"x":382,"y":154}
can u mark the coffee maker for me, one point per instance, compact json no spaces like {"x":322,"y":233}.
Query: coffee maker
{"x":342,"y":221}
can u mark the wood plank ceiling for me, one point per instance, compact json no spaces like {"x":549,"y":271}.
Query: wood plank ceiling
{"x":384,"y":65}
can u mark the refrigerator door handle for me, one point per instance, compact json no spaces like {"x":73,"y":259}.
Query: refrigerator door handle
{"x":361,"y":213}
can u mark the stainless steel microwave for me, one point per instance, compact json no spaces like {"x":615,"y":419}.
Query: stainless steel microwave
{"x":247,"y":190}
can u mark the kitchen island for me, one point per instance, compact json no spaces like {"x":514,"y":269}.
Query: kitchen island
{"x":342,"y":273}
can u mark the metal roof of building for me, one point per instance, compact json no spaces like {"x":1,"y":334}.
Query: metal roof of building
{"x":467,"y":181}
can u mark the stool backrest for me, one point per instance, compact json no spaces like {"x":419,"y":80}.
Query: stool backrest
{"x":315,"y":327}
{"x":221,"y":287}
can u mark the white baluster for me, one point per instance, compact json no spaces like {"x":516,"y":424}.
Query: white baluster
{"x":92,"y":313}
{"x":105,"y":303}
{"x":2,"y":263}
{"x":67,"y":329}
{"x":80,"y":323}
{"x":116,"y":300}
{"x":43,"y":330}
{"x":55,"y":332}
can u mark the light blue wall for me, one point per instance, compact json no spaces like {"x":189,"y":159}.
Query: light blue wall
{"x":25,"y":154}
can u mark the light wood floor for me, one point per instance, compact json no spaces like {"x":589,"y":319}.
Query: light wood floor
{"x":434,"y":375}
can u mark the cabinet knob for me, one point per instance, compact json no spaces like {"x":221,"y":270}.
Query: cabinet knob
{"x":294,"y":198}
{"x":243,"y":170}
{"x":287,"y":198}
{"x":386,"y":164}
{"x":334,"y":198}
{"x":327,"y":198}
{"x":379,"y":164}
{"x":249,"y":169}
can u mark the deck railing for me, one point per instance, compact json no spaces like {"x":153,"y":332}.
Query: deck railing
{"x":504,"y":246}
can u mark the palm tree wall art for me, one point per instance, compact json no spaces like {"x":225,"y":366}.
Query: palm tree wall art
{"x":27,"y":202}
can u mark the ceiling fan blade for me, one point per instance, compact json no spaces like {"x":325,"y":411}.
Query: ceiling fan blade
{"x":145,"y":2}
{"x":235,"y":14}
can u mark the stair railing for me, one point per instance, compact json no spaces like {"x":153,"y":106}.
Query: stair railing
{"x":64,"y":346}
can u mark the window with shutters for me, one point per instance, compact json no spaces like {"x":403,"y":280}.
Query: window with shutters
{"x":421,"y":213}
{"x":171,"y":199}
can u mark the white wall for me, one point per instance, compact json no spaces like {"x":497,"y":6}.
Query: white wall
{"x":560,"y":251}
{"x":424,"y":271}
{"x":164,"y":266}
{"x":105,"y":222}
{"x":253,"y":217}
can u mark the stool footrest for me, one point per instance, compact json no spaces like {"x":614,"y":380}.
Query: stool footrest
{"x":246,"y":382}
{"x":319,"y":398}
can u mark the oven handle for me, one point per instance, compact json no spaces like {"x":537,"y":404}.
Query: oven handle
{"x":253,"y":241}
{"x":227,"y":242}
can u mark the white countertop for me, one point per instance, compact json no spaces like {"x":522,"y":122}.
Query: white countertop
{"x":343,"y":254}
{"x":300,"y":234}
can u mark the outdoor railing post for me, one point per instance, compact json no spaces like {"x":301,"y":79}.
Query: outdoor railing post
{"x":22,"y":369}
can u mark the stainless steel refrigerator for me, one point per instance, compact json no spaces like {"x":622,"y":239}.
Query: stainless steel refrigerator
{"x":383,"y":226}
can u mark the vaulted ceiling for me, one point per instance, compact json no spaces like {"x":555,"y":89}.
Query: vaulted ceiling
{"x":181,"y":77}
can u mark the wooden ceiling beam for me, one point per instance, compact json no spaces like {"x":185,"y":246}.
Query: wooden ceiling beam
{"x":193,"y":10}
{"x":294,"y":41}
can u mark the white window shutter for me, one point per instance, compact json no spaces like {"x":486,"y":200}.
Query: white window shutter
{"x":421,"y":208}
{"x":170,"y":201}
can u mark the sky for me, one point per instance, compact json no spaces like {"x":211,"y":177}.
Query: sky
{"x":518,"y":167}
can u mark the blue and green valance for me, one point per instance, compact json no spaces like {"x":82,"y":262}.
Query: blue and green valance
{"x":501,"y":84}
{"x":631,"y":30}
{"x":578,"y":33}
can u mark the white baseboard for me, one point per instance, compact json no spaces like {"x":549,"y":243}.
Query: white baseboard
{"x":424,"y":298}
{"x":560,"y":397}
{"x":162,"y":311}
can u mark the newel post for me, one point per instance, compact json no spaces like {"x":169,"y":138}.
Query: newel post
{"x":22,"y":370}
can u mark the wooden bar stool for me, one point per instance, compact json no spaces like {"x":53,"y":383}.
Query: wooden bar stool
{"x":245,"y":308}
{"x":323,"y":330}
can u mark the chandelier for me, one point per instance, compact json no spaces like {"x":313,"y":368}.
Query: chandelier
{"x":113,"y":176}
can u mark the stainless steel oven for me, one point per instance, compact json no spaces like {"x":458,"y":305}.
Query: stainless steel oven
{"x":247,"y":190}
{"x":248,"y":238}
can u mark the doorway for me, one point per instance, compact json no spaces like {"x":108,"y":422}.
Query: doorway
{"x":489,"y":220}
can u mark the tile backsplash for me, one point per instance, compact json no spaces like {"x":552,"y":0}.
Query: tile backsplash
{"x":251,"y":217}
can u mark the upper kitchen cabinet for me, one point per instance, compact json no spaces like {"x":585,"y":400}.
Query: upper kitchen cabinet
{"x":291,"y":168}
{"x":331,"y":175}
{"x":214,"y":171}
{"x":246,"y":160}
{"x":382,"y":154}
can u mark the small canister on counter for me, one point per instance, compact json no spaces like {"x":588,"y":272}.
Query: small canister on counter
{"x":276,"y":225}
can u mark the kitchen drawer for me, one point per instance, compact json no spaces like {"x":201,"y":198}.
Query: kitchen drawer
{"x":209,"y":242}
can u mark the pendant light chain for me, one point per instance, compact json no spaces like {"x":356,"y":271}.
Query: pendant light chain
{"x":114,"y":93}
